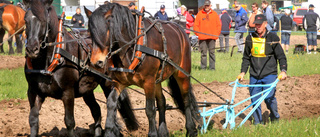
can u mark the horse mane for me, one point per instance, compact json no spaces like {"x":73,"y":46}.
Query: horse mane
{"x":122,"y":19}
{"x":42,"y":12}
{"x":38,"y":9}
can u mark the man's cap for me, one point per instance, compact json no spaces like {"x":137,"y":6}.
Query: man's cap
{"x":223,"y":9}
{"x":207,"y":2}
{"x":311,"y":6}
{"x":259,"y":19}
{"x":131,"y":4}
{"x":162,"y":6}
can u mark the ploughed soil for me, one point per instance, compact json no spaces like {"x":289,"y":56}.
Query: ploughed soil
{"x":297,"y":97}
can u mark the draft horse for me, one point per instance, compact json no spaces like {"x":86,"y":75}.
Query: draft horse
{"x":67,"y":81}
{"x":111,"y":26}
{"x":12,"y":21}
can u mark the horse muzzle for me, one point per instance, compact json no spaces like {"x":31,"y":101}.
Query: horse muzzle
{"x":33,"y":52}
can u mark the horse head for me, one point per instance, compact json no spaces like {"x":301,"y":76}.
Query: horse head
{"x":38,"y":24}
{"x":108,"y":24}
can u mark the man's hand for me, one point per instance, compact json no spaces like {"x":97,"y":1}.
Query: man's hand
{"x":80,"y":21}
{"x":282,"y":75}
{"x":240,"y":76}
{"x":74,"y":19}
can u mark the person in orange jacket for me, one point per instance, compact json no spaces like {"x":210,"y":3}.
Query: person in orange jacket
{"x":207,"y":21}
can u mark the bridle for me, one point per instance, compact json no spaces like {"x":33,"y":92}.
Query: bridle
{"x":42,"y":43}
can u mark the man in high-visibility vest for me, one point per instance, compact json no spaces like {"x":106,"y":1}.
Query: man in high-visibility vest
{"x":262,"y":52}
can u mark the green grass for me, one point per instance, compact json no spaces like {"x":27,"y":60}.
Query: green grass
{"x":14,"y":85}
{"x":284,"y":128}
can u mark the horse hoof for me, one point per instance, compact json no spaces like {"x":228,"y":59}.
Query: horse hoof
{"x":110,"y":133}
{"x":163,"y":130}
{"x":98,"y":132}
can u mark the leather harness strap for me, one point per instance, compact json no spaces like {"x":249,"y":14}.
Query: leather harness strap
{"x":138,"y":54}
{"x":57,"y":56}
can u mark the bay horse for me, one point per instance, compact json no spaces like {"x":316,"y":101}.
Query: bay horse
{"x":12,"y":21}
{"x":67,"y":81}
{"x":115,"y":24}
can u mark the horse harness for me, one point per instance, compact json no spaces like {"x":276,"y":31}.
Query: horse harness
{"x":141,"y":50}
{"x":59,"y":52}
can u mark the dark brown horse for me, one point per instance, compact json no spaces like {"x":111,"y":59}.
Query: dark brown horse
{"x":113,"y":23}
{"x":12,"y":21}
{"x":67,"y":81}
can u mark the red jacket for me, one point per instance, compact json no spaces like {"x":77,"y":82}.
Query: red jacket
{"x":189,"y":21}
{"x":207,"y":23}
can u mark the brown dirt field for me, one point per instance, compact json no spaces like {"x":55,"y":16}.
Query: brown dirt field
{"x":298,"y":97}
{"x":11,"y":62}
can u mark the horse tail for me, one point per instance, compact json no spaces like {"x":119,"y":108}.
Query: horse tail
{"x":177,"y":96}
{"x":126,"y":112}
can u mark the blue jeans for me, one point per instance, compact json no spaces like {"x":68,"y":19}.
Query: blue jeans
{"x":285,"y":38}
{"x":312,"y":38}
{"x":270,"y":100}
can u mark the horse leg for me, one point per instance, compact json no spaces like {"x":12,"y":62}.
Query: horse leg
{"x":189,"y":103}
{"x":11,"y":51}
{"x":95,"y":111}
{"x":124,"y":107}
{"x":149,"y":89}
{"x":2,"y":32}
{"x":35,"y":102}
{"x":111,"y":127}
{"x":161,"y":104}
{"x":68,"y":102}
{"x":19,"y":44}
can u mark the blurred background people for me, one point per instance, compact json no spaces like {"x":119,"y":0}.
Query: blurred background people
{"x":161,"y":14}
{"x":188,"y":17}
{"x":286,"y":25}
{"x":77,"y":19}
{"x":255,"y":11}
{"x":207,"y":21}
{"x":226,"y":20}
{"x":240,"y":27}
{"x":311,"y":25}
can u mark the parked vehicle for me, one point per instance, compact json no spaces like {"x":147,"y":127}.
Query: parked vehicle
{"x":298,"y":17}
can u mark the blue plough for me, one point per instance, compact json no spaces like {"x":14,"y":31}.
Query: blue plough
{"x":229,"y":108}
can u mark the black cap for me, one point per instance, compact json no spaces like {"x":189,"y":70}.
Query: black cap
{"x":207,"y":2}
{"x":131,"y":4}
{"x":162,"y":6}
{"x":311,"y":6}
{"x":259,"y":19}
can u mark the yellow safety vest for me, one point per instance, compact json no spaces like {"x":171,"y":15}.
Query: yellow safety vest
{"x":258,"y":47}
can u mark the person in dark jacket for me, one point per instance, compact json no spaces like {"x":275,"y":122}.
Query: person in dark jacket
{"x":161,"y":14}
{"x":240,"y":28}
{"x":77,"y":19}
{"x":286,"y":25}
{"x":225,"y":20}
{"x":311,"y":25}
{"x":263,"y":56}
{"x":269,"y":14}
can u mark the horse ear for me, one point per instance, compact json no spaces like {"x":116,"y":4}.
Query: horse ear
{"x":108,"y":13}
{"x":87,"y":11}
{"x":47,"y":2}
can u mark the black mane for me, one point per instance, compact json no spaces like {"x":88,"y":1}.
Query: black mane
{"x":39,"y":10}
{"x":122,"y":20}
{"x":43,"y":12}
